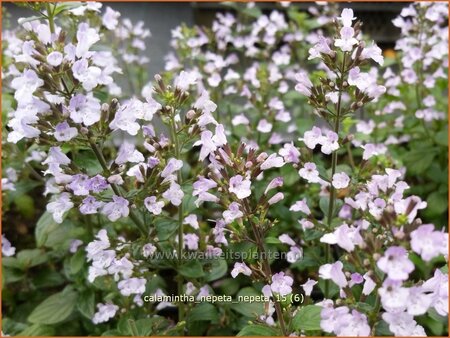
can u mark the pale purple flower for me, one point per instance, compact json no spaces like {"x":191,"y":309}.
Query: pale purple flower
{"x":79,"y":185}
{"x":321,"y":47}
{"x":116,"y":209}
{"x":332,"y":318}
{"x":184,"y":80}
{"x":344,"y":236}
{"x":333,"y":272}
{"x":240,"y":186}
{"x":369,"y":285}
{"x":97,"y":184}
{"x":129,"y":153}
{"x":419,"y":301}
{"x":281,"y":284}
{"x":174,"y":194}
{"x":308,"y":286}
{"x":74,"y":245}
{"x":148,"y":250}
{"x":376,"y":207}
{"x":192,"y":221}
{"x":172,"y":166}
{"x":329,"y":142}
{"x":126,"y":116}
{"x":60,"y":206}
{"x":286,"y":239}
{"x":340,"y":180}
{"x":347,"y":40}
{"x":273,"y":161}
{"x":438,"y":286}
{"x":153,"y":205}
{"x":201,"y":187}
{"x":121,"y":266}
{"x":56,"y":156}
{"x":304,"y":84}
{"x":290,"y":153}
{"x":54,"y":58}
{"x":347,"y":17}
{"x":275,"y":183}
{"x":356,"y":326}
{"x":295,"y":254}
{"x":301,"y":206}
{"x":89,"y":76}
{"x":90,"y":206}
{"x":306,"y":224}
{"x":373,"y":52}
{"x":105,"y":313}
{"x":7,"y":249}
{"x":232,"y":213}
{"x":371,"y":150}
{"x":131,"y":286}
{"x":403,"y":324}
{"x":309,"y":172}
{"x":312,"y":137}
{"x":429,"y":243}
{"x":207,"y":144}
{"x":110,"y":18}
{"x":203,"y":292}
{"x":240,"y":268}
{"x":264,"y":126}
{"x":402,"y":206}
{"x":84,"y":109}
{"x":191,"y":241}
{"x":86,"y":37}
{"x":395,"y":263}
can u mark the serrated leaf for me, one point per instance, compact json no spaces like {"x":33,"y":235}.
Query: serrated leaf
{"x":204,"y":312}
{"x":307,"y":318}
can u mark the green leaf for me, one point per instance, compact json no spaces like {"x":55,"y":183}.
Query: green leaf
{"x":246,"y":308}
{"x":86,"y":303}
{"x":307,"y":318}
{"x":218,"y":269}
{"x":88,"y":162}
{"x":45,"y":225}
{"x":382,"y":329}
{"x":441,"y":137}
{"x":165,"y":228}
{"x":29,"y":258}
{"x":272,"y":240}
{"x":258,"y":330}
{"x":204,"y":312}
{"x":38,"y":330}
{"x":77,"y":261}
{"x":192,"y":269}
{"x":55,"y":309}
{"x":437,"y":203}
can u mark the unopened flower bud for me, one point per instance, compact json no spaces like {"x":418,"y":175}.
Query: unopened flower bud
{"x":84,"y":130}
{"x":262,"y":157}
{"x":376,"y":256}
{"x":190,"y":114}
{"x":248,"y":164}
{"x":115,"y":179}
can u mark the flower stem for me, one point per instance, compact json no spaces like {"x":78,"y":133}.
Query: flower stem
{"x":51,"y":22}
{"x":333,"y":168}
{"x":266,"y":267}
{"x":177,"y":149}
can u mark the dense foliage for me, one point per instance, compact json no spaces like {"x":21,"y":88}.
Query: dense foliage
{"x":279,"y":177}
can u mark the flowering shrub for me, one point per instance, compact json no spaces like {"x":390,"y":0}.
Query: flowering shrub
{"x":280,"y":177}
